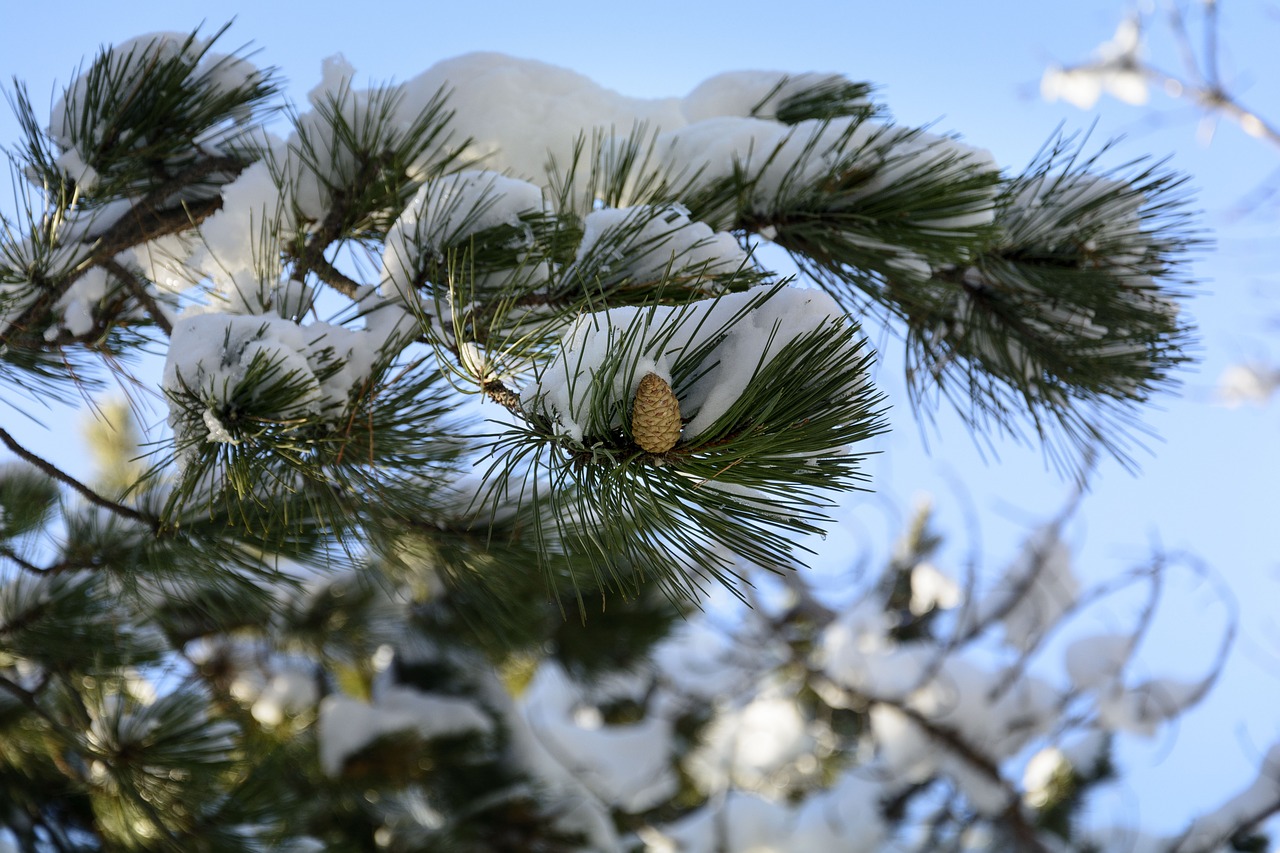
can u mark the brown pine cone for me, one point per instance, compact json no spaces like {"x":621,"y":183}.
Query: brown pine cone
{"x":655,"y":417}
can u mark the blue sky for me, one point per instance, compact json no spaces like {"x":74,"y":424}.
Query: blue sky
{"x":974,"y":68}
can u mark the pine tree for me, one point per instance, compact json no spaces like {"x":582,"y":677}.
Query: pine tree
{"x":479,"y":387}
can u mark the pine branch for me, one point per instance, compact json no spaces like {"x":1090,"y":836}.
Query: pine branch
{"x":54,"y":568}
{"x":754,"y":462}
{"x":140,"y":226}
{"x":344,"y":209}
{"x":84,"y":491}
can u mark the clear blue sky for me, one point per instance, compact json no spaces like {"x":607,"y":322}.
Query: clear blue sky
{"x":971,"y":67}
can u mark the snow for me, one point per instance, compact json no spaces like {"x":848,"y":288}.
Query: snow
{"x":233,"y":246}
{"x":697,"y":660}
{"x":996,"y":719}
{"x":651,"y":243}
{"x":1252,"y":382}
{"x":217,"y":430}
{"x":784,"y":161}
{"x":576,"y":806}
{"x":924,"y":695}
{"x":845,"y":817}
{"x":746,"y":747}
{"x":522,"y":118}
{"x":1042,"y":772}
{"x":521,"y":114}
{"x":740,"y":333}
{"x":347,"y":725}
{"x":911,"y":754}
{"x":1141,"y":708}
{"x":628,"y":766}
{"x":1255,"y":801}
{"x":715,"y":148}
{"x":336,"y":74}
{"x":1102,"y":216}
{"x":75,"y":168}
{"x":1037,"y":589}
{"x":743,"y":822}
{"x":77,"y":304}
{"x":856,"y":652}
{"x":226,"y":73}
{"x":444,"y":213}
{"x":287,"y":693}
{"x":130,"y":60}
{"x":751,"y":93}
{"x":903,"y":748}
{"x":1094,"y":662}
{"x":293,"y":299}
{"x":1115,"y":70}
{"x":66,"y":245}
{"x":209,"y":355}
{"x":931,"y":589}
{"x":129,"y":57}
{"x":164,"y":262}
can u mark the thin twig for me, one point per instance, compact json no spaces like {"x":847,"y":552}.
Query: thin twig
{"x":1178,"y":26}
{"x":87,"y":493}
{"x":1211,"y":43}
{"x":1012,"y":817}
{"x":26,"y":697}
{"x":331,"y":275}
{"x":139,"y":291}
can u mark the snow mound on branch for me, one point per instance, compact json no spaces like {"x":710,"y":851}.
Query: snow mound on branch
{"x":1053,"y":208}
{"x":627,"y":766}
{"x":932,"y":710}
{"x":846,"y":817}
{"x":524,"y":117}
{"x":446,"y":212}
{"x":347,"y":725}
{"x":699,"y":660}
{"x":743,"y":331}
{"x":521,"y":114}
{"x":77,"y":305}
{"x":1095,"y":661}
{"x":215,"y":73}
{"x":745,"y":747}
{"x":210,"y":356}
{"x":647,"y":243}
{"x":750,"y":93}
{"x":931,"y":589}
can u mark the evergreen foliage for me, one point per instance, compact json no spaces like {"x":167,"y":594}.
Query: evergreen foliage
{"x":404,"y":578}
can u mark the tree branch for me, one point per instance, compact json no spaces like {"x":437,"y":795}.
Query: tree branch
{"x":1012,"y":818}
{"x":139,"y":291}
{"x":159,"y":213}
{"x":87,"y":493}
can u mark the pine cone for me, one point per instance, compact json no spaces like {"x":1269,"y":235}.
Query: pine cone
{"x":655,"y":418}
